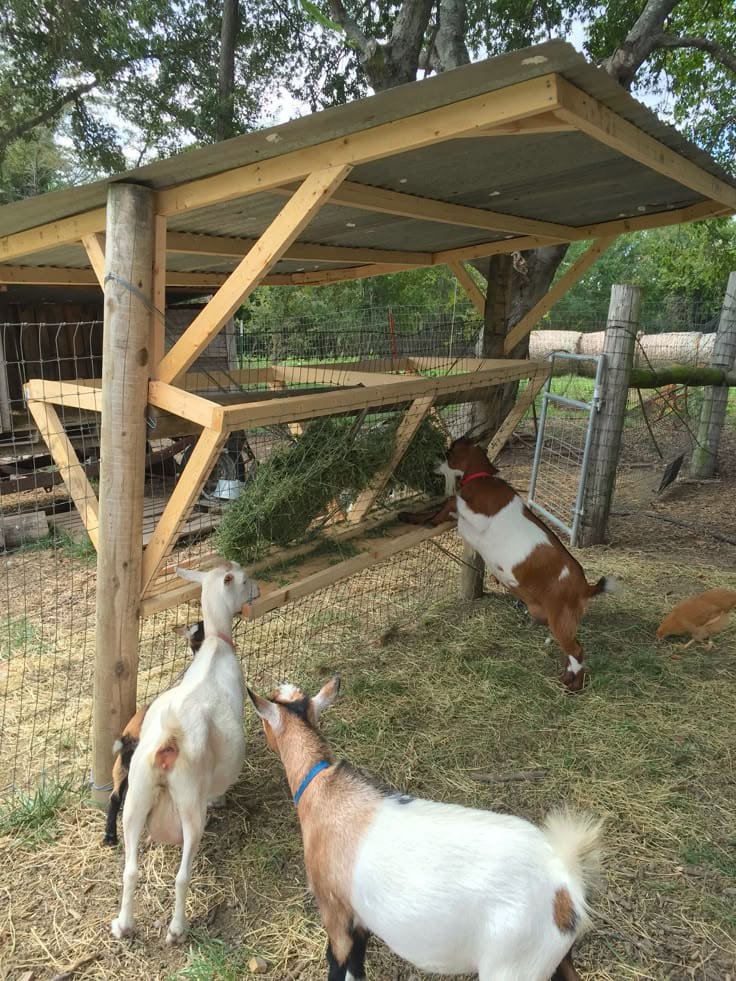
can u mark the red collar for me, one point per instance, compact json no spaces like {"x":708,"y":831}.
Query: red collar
{"x":474,"y":476}
{"x":228,"y":640}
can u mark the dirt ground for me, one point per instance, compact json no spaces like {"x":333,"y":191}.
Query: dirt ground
{"x":459,"y":690}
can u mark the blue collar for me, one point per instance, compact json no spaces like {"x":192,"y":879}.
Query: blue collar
{"x":317,"y":768}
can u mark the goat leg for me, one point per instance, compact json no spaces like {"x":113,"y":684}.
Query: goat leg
{"x":566,"y":970}
{"x":446,"y":513}
{"x":117,"y":797}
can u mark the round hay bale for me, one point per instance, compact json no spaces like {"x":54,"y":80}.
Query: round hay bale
{"x":592,"y":343}
{"x":543,"y":342}
{"x":677,"y":347}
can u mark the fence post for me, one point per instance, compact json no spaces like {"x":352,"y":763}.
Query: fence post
{"x":715,"y":399}
{"x":129,"y":263}
{"x":618,"y":349}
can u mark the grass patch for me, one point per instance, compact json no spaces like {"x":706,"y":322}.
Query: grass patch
{"x":32,"y":818}
{"x":213,"y":960}
{"x":19,"y":635}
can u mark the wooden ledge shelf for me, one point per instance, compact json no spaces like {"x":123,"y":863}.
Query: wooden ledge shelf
{"x":309,"y":567}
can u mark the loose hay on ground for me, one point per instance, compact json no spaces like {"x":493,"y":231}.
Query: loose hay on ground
{"x":459,"y":689}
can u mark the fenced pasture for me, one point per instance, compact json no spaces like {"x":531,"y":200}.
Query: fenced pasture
{"x":437,"y":691}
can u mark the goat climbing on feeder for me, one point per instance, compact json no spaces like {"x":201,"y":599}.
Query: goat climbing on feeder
{"x":518,"y":549}
{"x":192,"y":744}
{"x":452,"y":890}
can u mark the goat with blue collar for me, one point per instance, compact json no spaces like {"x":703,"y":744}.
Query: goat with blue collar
{"x":450,"y":889}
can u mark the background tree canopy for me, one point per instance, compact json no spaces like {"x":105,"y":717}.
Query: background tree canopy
{"x":90,"y":87}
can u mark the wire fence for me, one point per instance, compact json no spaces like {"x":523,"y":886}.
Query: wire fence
{"x":47,"y":578}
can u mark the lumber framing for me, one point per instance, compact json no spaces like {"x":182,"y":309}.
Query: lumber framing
{"x":69,"y":394}
{"x":413,"y":418}
{"x":475,"y":295}
{"x":591,"y":255}
{"x":507,"y":427}
{"x":157,"y":338}
{"x":71,"y":470}
{"x":279,"y":235}
{"x":596,"y":120}
{"x":94,"y":246}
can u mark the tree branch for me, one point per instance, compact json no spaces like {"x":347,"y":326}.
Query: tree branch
{"x":340,"y":15}
{"x":450,"y":43}
{"x":715,"y":50}
{"x":46,"y":115}
{"x":625,"y":61}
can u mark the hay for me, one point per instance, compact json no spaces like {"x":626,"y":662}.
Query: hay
{"x":330,"y":463}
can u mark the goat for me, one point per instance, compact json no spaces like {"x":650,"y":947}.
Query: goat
{"x":124,"y":747}
{"x":518,"y":549}
{"x":191,"y":745}
{"x":450,"y":889}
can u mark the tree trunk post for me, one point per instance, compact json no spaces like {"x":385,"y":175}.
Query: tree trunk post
{"x":618,"y":350}
{"x":125,"y":371}
{"x":489,"y":412}
{"x":715,"y":400}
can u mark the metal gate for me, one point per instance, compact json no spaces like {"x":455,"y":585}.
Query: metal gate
{"x":564,"y":436}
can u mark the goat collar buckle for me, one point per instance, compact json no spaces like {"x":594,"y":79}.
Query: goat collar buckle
{"x":317,"y":768}
{"x":474,"y":476}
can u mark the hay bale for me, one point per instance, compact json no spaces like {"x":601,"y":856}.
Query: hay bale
{"x":543,"y":342}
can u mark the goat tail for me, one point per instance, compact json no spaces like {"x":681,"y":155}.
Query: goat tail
{"x":167,"y":751}
{"x":606,"y":584}
{"x":576,"y":839}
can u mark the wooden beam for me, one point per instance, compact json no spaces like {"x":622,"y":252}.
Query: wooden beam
{"x":545,"y":122}
{"x":376,"y":552}
{"x":555,"y":292}
{"x":71,"y":471}
{"x":157,"y":342}
{"x":94,"y":246}
{"x":477,"y":298}
{"x":597,"y":121}
{"x":222,"y":245}
{"x":72,"y":276}
{"x":422,"y":129}
{"x":329,"y":375}
{"x":185,"y":493}
{"x":638,"y":223}
{"x":515,"y":415}
{"x":327,"y":276}
{"x":299,"y":407}
{"x":185,"y":404}
{"x":279,"y":235}
{"x":498,"y":247}
{"x":51,"y":234}
{"x":68,"y":394}
{"x":378,"y":199}
{"x":413,"y":418}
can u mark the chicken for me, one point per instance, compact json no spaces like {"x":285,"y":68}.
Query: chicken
{"x":700,"y":616}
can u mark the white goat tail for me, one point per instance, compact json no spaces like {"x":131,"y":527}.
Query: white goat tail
{"x":576,"y":838}
{"x":170,"y":744}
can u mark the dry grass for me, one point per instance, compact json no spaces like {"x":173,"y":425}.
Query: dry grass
{"x":649,"y":745}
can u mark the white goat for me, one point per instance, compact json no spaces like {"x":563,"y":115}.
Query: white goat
{"x":450,"y":889}
{"x":191,"y":745}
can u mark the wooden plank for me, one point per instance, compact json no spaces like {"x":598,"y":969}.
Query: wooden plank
{"x":498,"y":247}
{"x":331,"y":375}
{"x":72,"y":473}
{"x":545,"y":122}
{"x":405,"y":433}
{"x":6,"y":418}
{"x":187,"y":405}
{"x":514,"y":417}
{"x":556,"y":292}
{"x":70,"y":276}
{"x":279,"y":235}
{"x":94,"y":246}
{"x":325,"y":276}
{"x":68,"y":394}
{"x":476,"y":296}
{"x":223,"y":245}
{"x":299,"y":407}
{"x":185,"y":493}
{"x":597,"y":121}
{"x":378,"y":199}
{"x":373,"y":553}
{"x":638,"y":223}
{"x":52,"y":233}
{"x":516,"y":101}
{"x":157,"y":342}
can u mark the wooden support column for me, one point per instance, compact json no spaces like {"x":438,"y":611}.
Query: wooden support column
{"x":475,"y":294}
{"x":618,"y":350}
{"x":125,"y":368}
{"x":157,"y":343}
{"x":506,"y":428}
{"x":715,"y":400}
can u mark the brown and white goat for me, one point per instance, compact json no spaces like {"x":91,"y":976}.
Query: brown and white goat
{"x":126,"y":745}
{"x":518,"y":549}
{"x":452,"y":890}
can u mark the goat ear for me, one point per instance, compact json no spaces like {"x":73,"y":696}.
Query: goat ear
{"x":193,"y":575}
{"x":268,"y":711}
{"x":326,"y":696}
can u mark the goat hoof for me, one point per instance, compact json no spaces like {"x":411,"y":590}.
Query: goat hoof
{"x":110,"y":840}
{"x":120,"y":931}
{"x":174,"y":936}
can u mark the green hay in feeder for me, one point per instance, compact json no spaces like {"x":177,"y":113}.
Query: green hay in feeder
{"x":328,"y":462}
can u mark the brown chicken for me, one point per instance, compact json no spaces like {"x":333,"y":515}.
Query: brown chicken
{"x":700,"y":616}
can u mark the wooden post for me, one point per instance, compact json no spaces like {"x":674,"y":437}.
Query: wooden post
{"x":489,"y":412}
{"x":618,"y":349}
{"x":715,"y":400}
{"x":125,"y":370}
